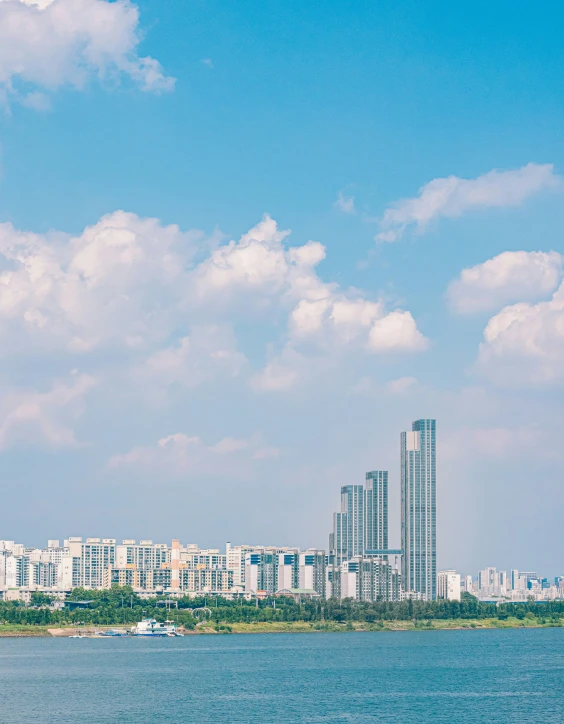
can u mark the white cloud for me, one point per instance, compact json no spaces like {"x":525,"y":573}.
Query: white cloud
{"x":339,"y":319}
{"x":207,"y":352}
{"x":36,"y":100}
{"x":454,"y":196}
{"x":132,"y":285}
{"x":180,"y":454}
{"x":260,"y":265}
{"x":524,"y":343}
{"x":396,"y":332}
{"x":401,"y":386}
{"x":345,"y":203}
{"x":43,"y":418}
{"x":320,"y":330}
{"x":508,"y":277}
{"x":281,"y":373}
{"x":54,"y":43}
{"x":120,"y":282}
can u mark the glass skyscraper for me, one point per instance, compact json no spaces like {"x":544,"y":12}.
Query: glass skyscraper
{"x":361,"y":526}
{"x":352,"y":503}
{"x":376,"y":510}
{"x":419,"y":509}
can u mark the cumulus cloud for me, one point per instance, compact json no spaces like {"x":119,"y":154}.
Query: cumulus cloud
{"x":508,"y":277}
{"x":169,"y":301}
{"x":29,"y":417}
{"x":322,"y":329}
{"x":120,"y":282}
{"x":259,"y":264}
{"x":50,"y":44}
{"x":524,"y":343}
{"x":338,"y":318}
{"x":345,"y":203}
{"x":453,"y":196}
{"x":181,"y":454}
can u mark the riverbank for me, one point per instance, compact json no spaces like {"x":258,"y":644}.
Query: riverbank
{"x":14,"y":630}
{"x":429,"y":625}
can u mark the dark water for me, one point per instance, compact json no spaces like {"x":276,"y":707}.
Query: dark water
{"x":450,"y":676}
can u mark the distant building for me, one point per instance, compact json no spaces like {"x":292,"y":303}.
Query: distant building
{"x":352,"y":503}
{"x":366,"y":579}
{"x":86,"y":563}
{"x":448,"y":585}
{"x":419,"y":508}
{"x":360,"y":528}
{"x":142,"y":556}
{"x":467,"y":584}
{"x":376,"y":511}
{"x":312,"y":571}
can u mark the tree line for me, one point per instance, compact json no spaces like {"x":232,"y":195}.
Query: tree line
{"x":121,"y":606}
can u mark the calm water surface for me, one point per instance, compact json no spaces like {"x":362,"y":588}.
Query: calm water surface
{"x":450,"y":676}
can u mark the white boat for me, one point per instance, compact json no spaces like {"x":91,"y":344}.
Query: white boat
{"x":151,"y":627}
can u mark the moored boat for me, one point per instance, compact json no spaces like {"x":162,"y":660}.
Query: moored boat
{"x":151,"y":627}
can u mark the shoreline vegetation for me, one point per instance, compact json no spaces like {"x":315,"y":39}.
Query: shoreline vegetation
{"x":267,"y":627}
{"x":87,"y":611}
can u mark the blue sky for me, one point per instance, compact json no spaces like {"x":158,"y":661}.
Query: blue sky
{"x":174,"y":364}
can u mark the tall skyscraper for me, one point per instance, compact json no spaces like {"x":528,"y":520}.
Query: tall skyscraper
{"x":419,"y":509}
{"x":338,"y":539}
{"x":376,"y":510}
{"x":361,"y":526}
{"x":352,"y":503}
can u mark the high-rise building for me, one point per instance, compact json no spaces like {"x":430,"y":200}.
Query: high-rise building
{"x":376,"y":511}
{"x":262,"y":565}
{"x":312,"y":571}
{"x":419,"y":509}
{"x":338,"y":546}
{"x":448,"y":585}
{"x":288,"y":570}
{"x":352,"y":503}
{"x":236,"y":556}
{"x":366,"y":579}
{"x":361,"y":526}
{"x":142,"y":556}
{"x":86,"y":563}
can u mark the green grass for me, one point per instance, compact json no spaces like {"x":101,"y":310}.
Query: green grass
{"x":212,"y":627}
{"x":14,"y":629}
{"x":425,"y":625}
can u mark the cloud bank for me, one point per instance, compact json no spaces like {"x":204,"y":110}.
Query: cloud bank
{"x":49,"y":44}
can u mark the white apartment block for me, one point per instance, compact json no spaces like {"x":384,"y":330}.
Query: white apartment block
{"x":365,"y":579}
{"x":448,"y":585}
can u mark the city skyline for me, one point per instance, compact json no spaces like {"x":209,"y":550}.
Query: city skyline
{"x":233,"y":267}
{"x":177,"y":568}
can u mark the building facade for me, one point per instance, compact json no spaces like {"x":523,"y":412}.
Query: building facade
{"x":448,"y":585}
{"x":376,"y":511}
{"x":366,"y":579}
{"x":419,"y":509}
